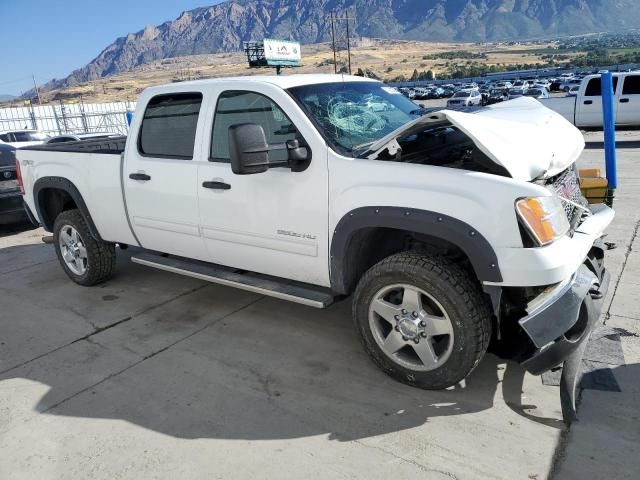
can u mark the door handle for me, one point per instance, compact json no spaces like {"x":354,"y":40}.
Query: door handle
{"x":588,"y":102}
{"x":624,"y":100}
{"x":139,"y":176}
{"x":216,"y":185}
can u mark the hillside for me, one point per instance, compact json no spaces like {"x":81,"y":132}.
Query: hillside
{"x":224,"y":27}
{"x":385,"y":59}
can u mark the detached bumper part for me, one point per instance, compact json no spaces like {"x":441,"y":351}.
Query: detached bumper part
{"x":560,"y":320}
{"x":559,"y":323}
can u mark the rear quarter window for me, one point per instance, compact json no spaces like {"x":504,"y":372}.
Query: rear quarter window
{"x":169,"y":126}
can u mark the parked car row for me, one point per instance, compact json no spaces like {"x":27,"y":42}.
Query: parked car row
{"x":494,"y":90}
{"x":481,"y":93}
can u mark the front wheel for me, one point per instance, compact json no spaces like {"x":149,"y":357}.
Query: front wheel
{"x":85,"y":260}
{"x":422,"y":319}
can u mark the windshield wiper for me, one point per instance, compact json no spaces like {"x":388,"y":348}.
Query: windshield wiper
{"x":362,"y":148}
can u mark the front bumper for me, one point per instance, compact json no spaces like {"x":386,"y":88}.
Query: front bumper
{"x":562,"y":324}
{"x":560,"y":321}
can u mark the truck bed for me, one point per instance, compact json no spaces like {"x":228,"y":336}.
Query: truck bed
{"x":113,"y":145}
{"x":93,"y":169}
{"x":565,"y":106}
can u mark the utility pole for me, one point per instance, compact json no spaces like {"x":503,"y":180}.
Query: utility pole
{"x":333,"y":41}
{"x":348,"y":43}
{"x":334,"y":19}
{"x":36,"y":89}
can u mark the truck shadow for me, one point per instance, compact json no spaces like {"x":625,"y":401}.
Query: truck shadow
{"x":604,"y":441}
{"x":267,"y":370}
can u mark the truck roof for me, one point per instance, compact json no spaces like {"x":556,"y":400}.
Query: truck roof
{"x":282,"y":81}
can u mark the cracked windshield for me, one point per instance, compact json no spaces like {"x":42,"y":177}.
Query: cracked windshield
{"x":353,"y":115}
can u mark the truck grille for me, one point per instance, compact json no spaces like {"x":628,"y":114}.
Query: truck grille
{"x":567,"y":186}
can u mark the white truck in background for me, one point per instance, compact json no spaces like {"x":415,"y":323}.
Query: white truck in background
{"x":447,"y":229}
{"x":584,"y":109}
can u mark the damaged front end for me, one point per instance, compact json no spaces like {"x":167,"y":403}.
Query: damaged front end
{"x":555,"y":324}
{"x":522,"y":138}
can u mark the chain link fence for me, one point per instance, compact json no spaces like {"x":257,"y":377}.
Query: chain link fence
{"x":68,"y":118}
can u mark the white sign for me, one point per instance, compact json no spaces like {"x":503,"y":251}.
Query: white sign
{"x":282,"y":50}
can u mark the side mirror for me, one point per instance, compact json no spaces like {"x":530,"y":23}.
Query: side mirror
{"x":248,"y":149}
{"x":299,"y":155}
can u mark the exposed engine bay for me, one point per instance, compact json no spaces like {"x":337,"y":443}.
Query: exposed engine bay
{"x":443,"y":145}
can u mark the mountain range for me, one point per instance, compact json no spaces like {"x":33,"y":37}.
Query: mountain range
{"x":224,"y":27}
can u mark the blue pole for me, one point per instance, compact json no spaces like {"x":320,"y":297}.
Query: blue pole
{"x":129,"y":116}
{"x":609,"y":123}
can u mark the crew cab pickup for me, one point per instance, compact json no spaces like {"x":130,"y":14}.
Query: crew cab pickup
{"x":585,"y":108}
{"x":446,"y":229}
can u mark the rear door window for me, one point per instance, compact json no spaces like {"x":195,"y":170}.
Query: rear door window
{"x":169,"y":126}
{"x":631,"y":85}
{"x":594,"y":88}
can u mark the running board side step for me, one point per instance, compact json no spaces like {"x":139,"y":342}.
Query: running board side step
{"x":297,"y":292}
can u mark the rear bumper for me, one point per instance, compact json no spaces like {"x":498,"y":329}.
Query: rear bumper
{"x":560,"y":320}
{"x":12,"y":208}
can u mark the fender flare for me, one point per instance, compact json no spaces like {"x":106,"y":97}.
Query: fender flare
{"x":475,"y":246}
{"x":60,"y":183}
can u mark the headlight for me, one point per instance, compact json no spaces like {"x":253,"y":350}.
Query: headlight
{"x":543,"y":217}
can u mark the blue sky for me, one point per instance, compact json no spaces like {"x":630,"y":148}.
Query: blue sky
{"x":50,"y":38}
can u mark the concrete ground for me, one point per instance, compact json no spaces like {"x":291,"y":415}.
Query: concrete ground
{"x":153,"y":375}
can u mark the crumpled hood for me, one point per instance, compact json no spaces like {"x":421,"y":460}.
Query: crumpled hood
{"x":526,"y":138}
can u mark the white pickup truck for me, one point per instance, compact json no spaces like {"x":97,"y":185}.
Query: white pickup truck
{"x":447,"y":229}
{"x":585,"y":108}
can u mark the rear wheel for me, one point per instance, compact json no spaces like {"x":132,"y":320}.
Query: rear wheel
{"x":422,"y":320}
{"x":85,"y":260}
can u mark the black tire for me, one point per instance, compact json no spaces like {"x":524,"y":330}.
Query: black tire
{"x":458,"y":294}
{"x":101,"y":256}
